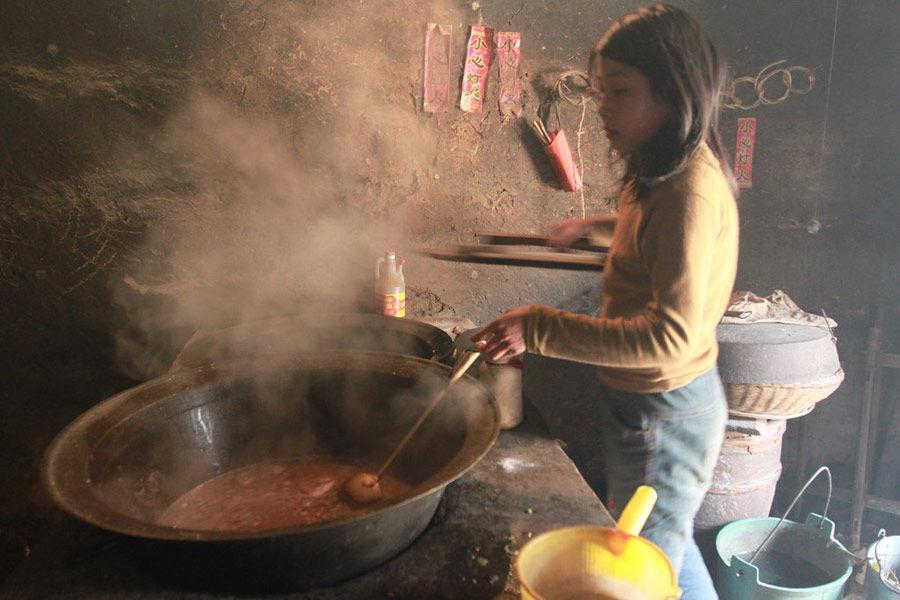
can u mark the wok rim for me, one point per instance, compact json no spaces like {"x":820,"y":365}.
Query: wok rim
{"x":76,"y":496}
{"x":439,"y":341}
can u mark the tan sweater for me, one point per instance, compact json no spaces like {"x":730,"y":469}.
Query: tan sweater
{"x":667,"y":281}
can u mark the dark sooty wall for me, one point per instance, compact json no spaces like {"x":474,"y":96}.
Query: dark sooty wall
{"x":169,"y":166}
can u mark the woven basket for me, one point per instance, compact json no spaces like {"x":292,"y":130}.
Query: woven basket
{"x":778,"y":400}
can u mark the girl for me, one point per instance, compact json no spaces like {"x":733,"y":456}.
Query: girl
{"x":667,"y":281}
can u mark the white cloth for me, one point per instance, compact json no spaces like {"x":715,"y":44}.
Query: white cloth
{"x":747,"y":307}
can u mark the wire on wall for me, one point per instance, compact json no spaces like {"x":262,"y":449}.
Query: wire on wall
{"x":732,"y":98}
{"x":837,"y":4}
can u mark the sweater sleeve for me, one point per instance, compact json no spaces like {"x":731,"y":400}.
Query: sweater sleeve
{"x":676,"y":242}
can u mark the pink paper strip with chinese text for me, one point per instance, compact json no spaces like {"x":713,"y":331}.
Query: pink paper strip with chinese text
{"x":508,"y":56}
{"x":743,"y":154}
{"x":437,"y":68}
{"x":478,"y":63}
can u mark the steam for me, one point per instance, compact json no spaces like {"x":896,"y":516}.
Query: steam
{"x":294,"y":161}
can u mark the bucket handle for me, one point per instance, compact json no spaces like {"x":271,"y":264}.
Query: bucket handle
{"x":880,"y":536}
{"x":796,"y":498}
{"x":884,"y":572}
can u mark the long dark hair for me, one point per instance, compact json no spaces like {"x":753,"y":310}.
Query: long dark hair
{"x":685,"y":70}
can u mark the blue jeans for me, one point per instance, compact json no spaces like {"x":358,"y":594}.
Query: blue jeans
{"x":670,"y":441}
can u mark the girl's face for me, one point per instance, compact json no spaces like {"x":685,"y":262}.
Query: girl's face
{"x":630,"y":111}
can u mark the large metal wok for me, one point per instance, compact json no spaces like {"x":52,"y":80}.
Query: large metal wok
{"x":120,"y":464}
{"x":314,"y":332}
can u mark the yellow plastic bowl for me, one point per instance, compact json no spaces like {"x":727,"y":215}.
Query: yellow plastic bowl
{"x":578,"y":563}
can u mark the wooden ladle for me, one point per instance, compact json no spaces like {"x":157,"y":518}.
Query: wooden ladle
{"x":363,"y":487}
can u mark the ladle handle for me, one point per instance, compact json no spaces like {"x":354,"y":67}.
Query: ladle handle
{"x":636,"y":512}
{"x":459,"y":369}
{"x":462,"y":365}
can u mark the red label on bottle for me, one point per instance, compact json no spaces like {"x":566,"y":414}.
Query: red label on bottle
{"x":394,"y":304}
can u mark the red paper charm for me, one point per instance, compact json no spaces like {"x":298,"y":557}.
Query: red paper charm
{"x":508,"y":56}
{"x":437,"y":68}
{"x":743,"y":155}
{"x":478,"y":63}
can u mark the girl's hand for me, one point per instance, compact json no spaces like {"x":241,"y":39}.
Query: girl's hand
{"x":565,"y":232}
{"x":504,"y":336}
{"x":598,"y":228}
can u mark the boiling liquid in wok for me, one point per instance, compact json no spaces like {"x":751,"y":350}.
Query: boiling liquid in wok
{"x":270,"y":495}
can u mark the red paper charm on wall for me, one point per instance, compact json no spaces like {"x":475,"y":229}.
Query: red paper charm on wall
{"x":478,"y":63}
{"x":437,"y":68}
{"x":508,"y":60}
{"x":743,"y":154}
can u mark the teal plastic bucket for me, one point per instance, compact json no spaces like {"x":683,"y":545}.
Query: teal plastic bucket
{"x":799,"y":561}
{"x":883,"y":569}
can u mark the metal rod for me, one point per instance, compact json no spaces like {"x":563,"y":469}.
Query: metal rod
{"x":530,"y":239}
{"x":550,"y":260}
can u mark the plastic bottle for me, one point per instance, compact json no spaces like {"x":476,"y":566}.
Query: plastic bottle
{"x":390,"y":286}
